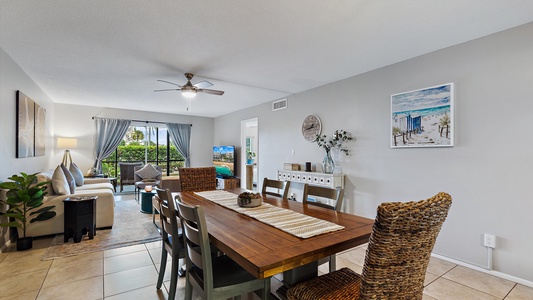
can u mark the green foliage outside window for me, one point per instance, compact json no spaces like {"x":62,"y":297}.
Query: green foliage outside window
{"x":135,"y":152}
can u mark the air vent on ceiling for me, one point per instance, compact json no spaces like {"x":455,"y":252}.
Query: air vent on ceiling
{"x":280,"y":104}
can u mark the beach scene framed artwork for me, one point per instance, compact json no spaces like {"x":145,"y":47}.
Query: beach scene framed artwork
{"x":423,"y":118}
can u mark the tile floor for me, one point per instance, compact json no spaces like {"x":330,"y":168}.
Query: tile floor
{"x":131,"y":273}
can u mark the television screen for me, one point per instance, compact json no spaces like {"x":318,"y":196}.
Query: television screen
{"x":224,"y":160}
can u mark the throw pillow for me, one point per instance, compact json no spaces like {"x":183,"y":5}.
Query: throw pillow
{"x":46,"y":176}
{"x":70,"y":179}
{"x":59,"y":182}
{"x":148,"y":171}
{"x":77,"y":174}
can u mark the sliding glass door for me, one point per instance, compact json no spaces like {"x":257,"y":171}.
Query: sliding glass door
{"x":147,"y":144}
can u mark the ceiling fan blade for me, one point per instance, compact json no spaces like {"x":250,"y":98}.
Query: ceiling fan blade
{"x":203,"y":84}
{"x":167,"y":90}
{"x":213,"y":92}
{"x":169,"y":82}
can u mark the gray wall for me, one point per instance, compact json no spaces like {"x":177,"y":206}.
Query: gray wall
{"x":12,"y":78}
{"x":488,"y":172}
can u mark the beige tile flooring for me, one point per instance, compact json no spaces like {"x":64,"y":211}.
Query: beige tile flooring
{"x":131,"y":273}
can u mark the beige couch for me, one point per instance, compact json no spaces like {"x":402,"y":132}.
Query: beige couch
{"x":105,"y":205}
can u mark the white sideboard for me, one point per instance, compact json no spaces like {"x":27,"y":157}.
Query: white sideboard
{"x":313,"y":178}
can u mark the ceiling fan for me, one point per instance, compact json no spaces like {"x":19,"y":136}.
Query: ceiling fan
{"x":189,"y":90}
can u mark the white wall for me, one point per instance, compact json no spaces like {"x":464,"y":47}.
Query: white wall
{"x":76,"y":121}
{"x":488,"y":172}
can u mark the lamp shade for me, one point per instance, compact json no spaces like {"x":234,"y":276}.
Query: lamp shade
{"x":188,"y":91}
{"x":67,"y":143}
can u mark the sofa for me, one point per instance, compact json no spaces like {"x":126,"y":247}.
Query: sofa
{"x":105,"y":203}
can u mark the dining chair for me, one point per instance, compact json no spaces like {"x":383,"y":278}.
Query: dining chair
{"x":213,"y":277}
{"x":198,"y":179}
{"x":335,"y":195}
{"x":396,"y":259}
{"x":282,"y":187}
{"x":172,"y":239}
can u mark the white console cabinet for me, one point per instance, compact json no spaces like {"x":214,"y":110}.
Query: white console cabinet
{"x":313,"y":178}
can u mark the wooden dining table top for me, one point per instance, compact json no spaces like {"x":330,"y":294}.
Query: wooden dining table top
{"x":265,"y":251}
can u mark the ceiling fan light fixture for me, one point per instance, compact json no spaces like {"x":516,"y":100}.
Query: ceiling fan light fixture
{"x":188,"y":92}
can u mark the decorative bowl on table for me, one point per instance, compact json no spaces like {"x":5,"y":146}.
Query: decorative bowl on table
{"x":248,"y":199}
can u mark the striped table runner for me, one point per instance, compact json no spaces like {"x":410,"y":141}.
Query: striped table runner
{"x":287,"y":220}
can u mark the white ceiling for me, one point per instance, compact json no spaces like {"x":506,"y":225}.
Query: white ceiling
{"x":110,"y":53}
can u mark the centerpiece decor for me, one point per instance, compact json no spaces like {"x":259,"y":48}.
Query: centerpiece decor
{"x":248,"y":199}
{"x":334,"y":144}
{"x":25,"y":199}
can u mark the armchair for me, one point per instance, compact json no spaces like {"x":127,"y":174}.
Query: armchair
{"x":127,"y":175}
{"x":146,"y":176}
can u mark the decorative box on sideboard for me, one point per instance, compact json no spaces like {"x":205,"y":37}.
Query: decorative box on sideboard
{"x":228,"y":183}
{"x":313,"y":178}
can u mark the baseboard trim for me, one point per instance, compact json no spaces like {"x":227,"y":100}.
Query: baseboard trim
{"x":4,"y":247}
{"x":486,"y":271}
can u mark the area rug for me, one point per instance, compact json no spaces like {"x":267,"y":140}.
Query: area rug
{"x":130,"y":227}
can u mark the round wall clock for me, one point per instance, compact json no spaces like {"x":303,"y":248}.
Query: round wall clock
{"x":311,"y":126}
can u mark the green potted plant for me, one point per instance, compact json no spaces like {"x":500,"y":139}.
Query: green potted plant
{"x":250,"y":155}
{"x":25,"y":198}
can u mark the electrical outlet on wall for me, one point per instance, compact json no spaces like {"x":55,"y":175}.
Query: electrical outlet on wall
{"x":489,"y":240}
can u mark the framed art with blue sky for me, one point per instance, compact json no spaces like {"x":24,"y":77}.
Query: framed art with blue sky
{"x":423,"y":117}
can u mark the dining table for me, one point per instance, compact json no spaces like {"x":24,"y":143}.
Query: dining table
{"x":264,"y":250}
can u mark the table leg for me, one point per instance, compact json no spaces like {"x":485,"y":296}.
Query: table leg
{"x":297,"y":275}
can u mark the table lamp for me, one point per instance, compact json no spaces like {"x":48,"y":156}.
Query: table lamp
{"x":67,"y":143}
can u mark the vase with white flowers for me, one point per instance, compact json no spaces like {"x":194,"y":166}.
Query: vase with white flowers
{"x":333,"y":144}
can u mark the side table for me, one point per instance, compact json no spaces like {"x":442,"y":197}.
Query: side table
{"x":146,"y":202}
{"x":113,"y":181}
{"x":80,"y":217}
{"x":94,"y":176}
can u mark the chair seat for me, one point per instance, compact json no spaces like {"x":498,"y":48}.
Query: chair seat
{"x":340,"y":284}
{"x":142,"y":184}
{"x":226,"y":272}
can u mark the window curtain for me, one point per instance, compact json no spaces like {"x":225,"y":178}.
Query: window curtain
{"x":180,"y":135}
{"x":109,"y":134}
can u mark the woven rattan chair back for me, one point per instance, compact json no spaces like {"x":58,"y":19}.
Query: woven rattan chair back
{"x":198,"y":179}
{"x":335,"y":195}
{"x":396,"y":259}
{"x":171,"y":237}
{"x":400,"y":247}
{"x":281,"y":187}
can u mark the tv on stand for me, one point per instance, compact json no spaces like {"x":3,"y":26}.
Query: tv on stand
{"x":224,"y":161}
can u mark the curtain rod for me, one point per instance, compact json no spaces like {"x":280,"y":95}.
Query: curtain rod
{"x":155,"y":122}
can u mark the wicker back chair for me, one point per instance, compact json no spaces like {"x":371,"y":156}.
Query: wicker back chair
{"x":396,"y":260}
{"x":198,"y":179}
